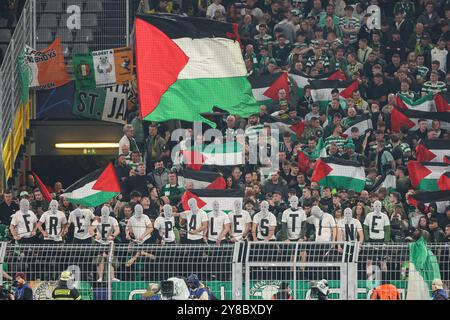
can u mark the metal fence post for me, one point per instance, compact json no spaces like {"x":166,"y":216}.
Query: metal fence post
{"x":2,"y":168}
{"x":128,"y":21}
{"x":109,"y":269}
{"x":236,"y":276}
{"x":2,"y":259}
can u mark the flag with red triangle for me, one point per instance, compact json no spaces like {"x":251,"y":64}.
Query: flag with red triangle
{"x":410,"y":119}
{"x":303,"y":162}
{"x":433,"y":150}
{"x":302,"y":79}
{"x":206,"y":197}
{"x":45,"y":193}
{"x":95,"y":188}
{"x":192,"y":179}
{"x":441,"y":198}
{"x":426,"y":176}
{"x":321,"y":90}
{"x":265,"y":88}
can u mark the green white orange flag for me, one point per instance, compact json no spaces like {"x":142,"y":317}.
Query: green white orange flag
{"x":186,"y":66}
{"x":338,"y":173}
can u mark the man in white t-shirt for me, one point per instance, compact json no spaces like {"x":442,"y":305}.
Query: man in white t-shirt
{"x":293,"y":222}
{"x":241,"y":222}
{"x":55,"y":223}
{"x":139,"y":227}
{"x":105,"y":231}
{"x":23,"y":224}
{"x":197,"y":223}
{"x":165,"y":226}
{"x":219,"y":224}
{"x":349,"y":228}
{"x":377,"y":227}
{"x":81,"y":220}
{"x":264,"y":224}
{"x":324,"y":224}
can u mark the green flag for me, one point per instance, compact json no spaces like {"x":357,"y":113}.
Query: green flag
{"x":24,"y":76}
{"x":83,"y":68}
{"x":318,"y":152}
{"x":423,"y":269}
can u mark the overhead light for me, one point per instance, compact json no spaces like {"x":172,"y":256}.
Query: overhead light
{"x":86,"y":145}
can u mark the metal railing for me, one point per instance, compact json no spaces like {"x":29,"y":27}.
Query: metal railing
{"x":250,"y":271}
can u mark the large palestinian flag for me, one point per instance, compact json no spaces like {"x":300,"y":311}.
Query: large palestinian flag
{"x":225,"y":154}
{"x":433,"y":150}
{"x":362,"y":122}
{"x":206,"y":197}
{"x":429,"y":176}
{"x":338,"y":173}
{"x":302,"y":80}
{"x":202,"y":179}
{"x":94,"y":189}
{"x":186,"y":66}
{"x":387,"y":181}
{"x":429,"y":103}
{"x":265,"y":87}
{"x":321,"y":90}
{"x":410,"y":119}
{"x":440,"y":198}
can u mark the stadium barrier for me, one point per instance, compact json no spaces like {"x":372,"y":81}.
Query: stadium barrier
{"x":250,"y":271}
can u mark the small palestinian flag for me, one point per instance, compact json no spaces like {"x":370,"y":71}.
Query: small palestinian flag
{"x":410,"y":119}
{"x":265,"y":87}
{"x":338,"y":173}
{"x":225,"y":154}
{"x":95,"y":188}
{"x":433,"y":150}
{"x":186,"y":66}
{"x":206,"y":197}
{"x":303,"y":79}
{"x":441,"y":198}
{"x":321,"y":90}
{"x":293,"y":126}
{"x":202,"y":179}
{"x":45,"y":193}
{"x":363,"y":123}
{"x":387,"y":181}
{"x":303,"y":162}
{"x":428,"y":176}
{"x":429,"y":103}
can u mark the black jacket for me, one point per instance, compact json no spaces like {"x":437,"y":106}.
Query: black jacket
{"x":7,"y":211}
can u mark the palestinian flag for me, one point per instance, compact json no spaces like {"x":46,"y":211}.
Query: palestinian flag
{"x":429,"y":103}
{"x":303,"y":162}
{"x":433,"y":150}
{"x":95,"y":188}
{"x":45,"y":193}
{"x":387,"y":181}
{"x":206,"y":197}
{"x":186,"y":66}
{"x":441,"y":198}
{"x":338,"y":173}
{"x":321,"y":90}
{"x":423,"y":269}
{"x":363,"y":123}
{"x":225,"y":154}
{"x":303,"y":79}
{"x":293,"y":126}
{"x":202,"y":179}
{"x":429,"y":176}
{"x":265,"y":87}
{"x":410,"y":119}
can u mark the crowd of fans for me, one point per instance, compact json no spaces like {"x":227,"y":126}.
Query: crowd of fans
{"x":403,"y":50}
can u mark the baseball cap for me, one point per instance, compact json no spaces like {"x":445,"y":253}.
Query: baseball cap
{"x":23,"y":194}
{"x":349,"y":146}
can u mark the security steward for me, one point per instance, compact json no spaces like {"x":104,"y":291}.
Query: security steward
{"x":62,"y":291}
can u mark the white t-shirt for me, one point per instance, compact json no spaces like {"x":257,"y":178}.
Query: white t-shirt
{"x":53,"y":223}
{"x":82,"y":223}
{"x":24,"y":223}
{"x":138,"y":226}
{"x":212,"y":8}
{"x":294,"y":220}
{"x":216,"y":225}
{"x":194,"y":221}
{"x":264,"y":223}
{"x":105,"y":229}
{"x":376,"y":224}
{"x":165,"y":228}
{"x":238,"y":223}
{"x":324,"y":227}
{"x":349,"y":231}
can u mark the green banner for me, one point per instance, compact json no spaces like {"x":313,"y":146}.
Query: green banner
{"x":83,"y":68}
{"x":105,"y":104}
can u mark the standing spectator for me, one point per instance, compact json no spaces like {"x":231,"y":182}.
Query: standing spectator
{"x":171,"y":193}
{"x":436,"y":233}
{"x":219,"y":225}
{"x":264,"y":224}
{"x":39,"y":205}
{"x":196,"y":221}
{"x":429,"y":18}
{"x":128,"y":139}
{"x":82,"y":219}
{"x":23,"y":291}
{"x":438,"y":290}
{"x":439,"y":53}
{"x":55,"y":223}
{"x":139,"y":181}
{"x":159,"y":175}
{"x":7,"y":208}
{"x":165,"y":225}
{"x":434,"y":85}
{"x":138,"y":132}
{"x":377,"y":227}
{"x":23,"y":224}
{"x":324,"y":224}
{"x":214,"y":9}
{"x":350,"y":25}
{"x":154,"y":146}
{"x":404,"y":26}
{"x":123,"y":172}
{"x":139,"y":227}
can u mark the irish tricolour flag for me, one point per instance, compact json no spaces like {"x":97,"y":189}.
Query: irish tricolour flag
{"x":186,"y":66}
{"x":429,"y":176}
{"x":423,"y":269}
{"x":338,"y":173}
{"x":95,"y":188}
{"x":206,"y":197}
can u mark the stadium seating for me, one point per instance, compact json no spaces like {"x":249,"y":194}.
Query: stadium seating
{"x":53,"y":6}
{"x":3,"y":23}
{"x":89,"y":20}
{"x":84,"y":35}
{"x":80,"y":48}
{"x":5,"y":35}
{"x":48,"y":20}
{"x":44,"y":35}
{"x":65,"y":35}
{"x":94,"y":6}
